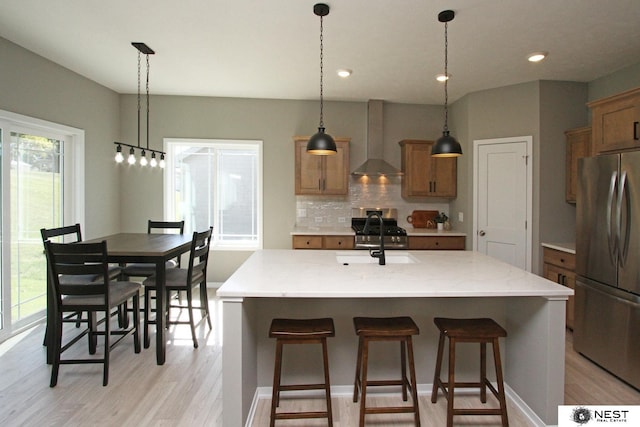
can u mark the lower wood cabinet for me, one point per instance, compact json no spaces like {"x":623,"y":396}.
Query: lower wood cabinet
{"x":559,"y":267}
{"x":322,"y":242}
{"x":436,"y":242}
{"x":304,"y":241}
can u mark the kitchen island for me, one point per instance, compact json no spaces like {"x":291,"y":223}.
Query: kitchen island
{"x":421,"y":284}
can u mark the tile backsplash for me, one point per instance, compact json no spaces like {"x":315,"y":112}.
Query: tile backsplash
{"x":335,"y":211}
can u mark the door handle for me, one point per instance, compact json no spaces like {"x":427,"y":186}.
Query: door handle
{"x":481,"y":233}
{"x":613,"y":249}
{"x":635,"y":131}
{"x":623,"y":196}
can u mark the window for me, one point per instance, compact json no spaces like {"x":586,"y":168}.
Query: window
{"x":210,"y":182}
{"x":42,"y":187}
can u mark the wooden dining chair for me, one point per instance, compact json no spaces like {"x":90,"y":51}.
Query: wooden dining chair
{"x":184,"y":280}
{"x":73,"y":234}
{"x":75,"y":261}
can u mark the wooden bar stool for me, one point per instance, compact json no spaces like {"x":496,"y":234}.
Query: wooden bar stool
{"x":482,"y":331}
{"x":386,"y":329}
{"x":300,"y":331}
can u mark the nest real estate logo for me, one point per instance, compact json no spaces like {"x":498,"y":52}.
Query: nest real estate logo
{"x":579,"y":416}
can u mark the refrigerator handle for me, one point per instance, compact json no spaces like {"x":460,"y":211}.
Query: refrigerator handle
{"x":623,"y":195}
{"x":613,"y":247}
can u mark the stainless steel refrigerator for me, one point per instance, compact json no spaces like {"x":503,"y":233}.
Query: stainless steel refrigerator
{"x":607,"y":299}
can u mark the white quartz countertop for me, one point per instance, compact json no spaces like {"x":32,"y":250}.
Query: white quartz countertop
{"x":282,"y":273}
{"x":564,"y":247}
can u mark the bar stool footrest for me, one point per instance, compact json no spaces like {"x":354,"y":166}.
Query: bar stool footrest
{"x":471,"y":411}
{"x":302,"y":387}
{"x":389,"y":410}
{"x":299,"y":415}
{"x":388,"y":383}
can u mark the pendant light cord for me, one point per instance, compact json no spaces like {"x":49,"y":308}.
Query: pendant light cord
{"x":139,"y":57}
{"x":446,"y":75}
{"x":147,"y":101}
{"x":321,"y":73}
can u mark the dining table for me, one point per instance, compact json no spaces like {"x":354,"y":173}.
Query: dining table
{"x":125,"y":248}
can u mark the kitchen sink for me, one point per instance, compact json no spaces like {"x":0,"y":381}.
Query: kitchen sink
{"x":365,"y":258}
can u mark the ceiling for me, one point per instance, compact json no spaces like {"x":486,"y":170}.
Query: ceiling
{"x":261,"y":49}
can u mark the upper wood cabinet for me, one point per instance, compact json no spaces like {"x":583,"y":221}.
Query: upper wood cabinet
{"x":578,"y":146}
{"x":426,"y":176}
{"x":322,"y":174}
{"x":615,"y":122}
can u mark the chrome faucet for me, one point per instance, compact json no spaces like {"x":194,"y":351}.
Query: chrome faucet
{"x":376,"y":253}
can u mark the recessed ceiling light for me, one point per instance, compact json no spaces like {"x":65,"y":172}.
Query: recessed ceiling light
{"x":344,"y":73}
{"x":537,"y":56}
{"x":442,"y":77}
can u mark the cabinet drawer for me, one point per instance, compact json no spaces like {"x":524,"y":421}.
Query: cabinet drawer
{"x":307,"y":242}
{"x":436,"y":242}
{"x":560,"y":258}
{"x":338,"y":242}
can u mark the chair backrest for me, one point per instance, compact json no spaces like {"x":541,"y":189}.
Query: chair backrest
{"x":165,"y":225}
{"x":67,"y":231}
{"x":199,"y":256}
{"x":81,"y":260}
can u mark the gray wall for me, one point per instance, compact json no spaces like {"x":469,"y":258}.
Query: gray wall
{"x":35,"y":87}
{"x":119,"y":198}
{"x":620,"y":81}
{"x":275,"y":122}
{"x":562,"y":107}
{"x":543,"y":110}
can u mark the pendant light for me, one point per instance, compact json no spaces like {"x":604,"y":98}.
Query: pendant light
{"x":446,"y":145}
{"x":131,"y":159}
{"x":321,"y":143}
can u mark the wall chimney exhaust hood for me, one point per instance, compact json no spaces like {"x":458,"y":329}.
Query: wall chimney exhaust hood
{"x":375,"y":165}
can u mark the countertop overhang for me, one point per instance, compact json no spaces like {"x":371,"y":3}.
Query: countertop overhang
{"x":282,"y":273}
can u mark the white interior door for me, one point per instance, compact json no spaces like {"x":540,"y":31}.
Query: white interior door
{"x":502,"y":199}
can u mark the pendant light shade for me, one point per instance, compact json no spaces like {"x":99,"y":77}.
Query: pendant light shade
{"x":446,"y":145}
{"x":321,"y":143}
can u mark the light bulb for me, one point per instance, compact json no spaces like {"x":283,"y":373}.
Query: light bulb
{"x":119,"y":157}
{"x":162,"y":164}
{"x":153,"y":163}
{"x":132,"y":157}
{"x":143,"y":159}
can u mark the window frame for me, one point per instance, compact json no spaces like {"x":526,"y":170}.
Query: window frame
{"x":169,"y":187}
{"x":73,"y":198}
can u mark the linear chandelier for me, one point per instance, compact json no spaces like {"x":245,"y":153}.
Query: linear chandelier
{"x":131,"y":159}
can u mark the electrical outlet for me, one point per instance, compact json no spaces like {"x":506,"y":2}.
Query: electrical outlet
{"x":460,"y":217}
{"x":318,"y":219}
{"x":342,"y":219}
{"x":302,"y":213}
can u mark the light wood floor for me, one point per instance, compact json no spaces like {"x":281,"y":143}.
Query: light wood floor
{"x":187,"y":390}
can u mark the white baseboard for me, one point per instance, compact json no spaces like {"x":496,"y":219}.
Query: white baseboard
{"x":423,"y":389}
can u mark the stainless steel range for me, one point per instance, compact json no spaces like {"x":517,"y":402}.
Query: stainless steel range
{"x":369,"y":238}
